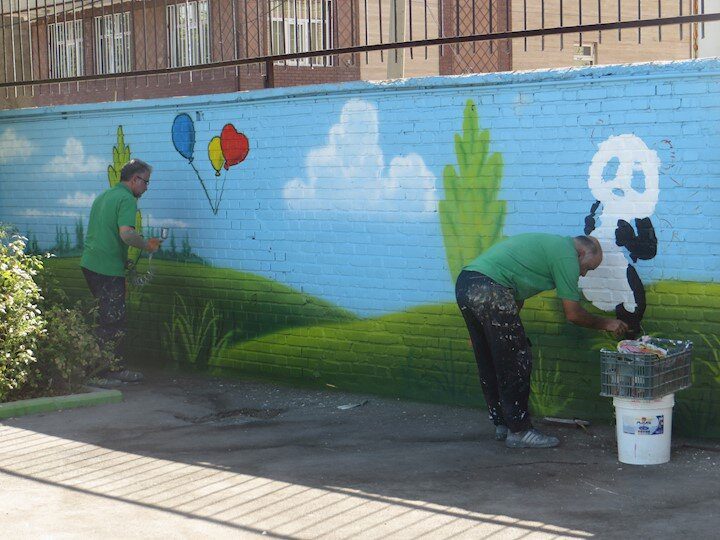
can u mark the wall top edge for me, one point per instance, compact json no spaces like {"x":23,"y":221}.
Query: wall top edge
{"x":670,"y":69}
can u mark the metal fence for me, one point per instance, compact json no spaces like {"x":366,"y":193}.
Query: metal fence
{"x":57,"y":48}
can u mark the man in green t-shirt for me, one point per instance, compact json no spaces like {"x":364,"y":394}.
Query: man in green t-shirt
{"x":490,"y":292}
{"x":111,"y":230}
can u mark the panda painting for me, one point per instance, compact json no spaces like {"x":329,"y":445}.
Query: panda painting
{"x":620,"y":219}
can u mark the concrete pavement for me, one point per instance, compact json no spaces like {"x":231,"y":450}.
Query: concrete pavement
{"x":190,"y":456}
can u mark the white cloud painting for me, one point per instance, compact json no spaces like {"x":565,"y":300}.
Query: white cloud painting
{"x":14,"y":147}
{"x":350,"y":174}
{"x":74,"y":161}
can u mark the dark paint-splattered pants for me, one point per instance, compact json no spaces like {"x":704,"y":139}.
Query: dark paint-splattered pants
{"x":110,"y":294}
{"x":501,"y":348}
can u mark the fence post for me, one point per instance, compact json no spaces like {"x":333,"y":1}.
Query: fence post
{"x":269,"y":74}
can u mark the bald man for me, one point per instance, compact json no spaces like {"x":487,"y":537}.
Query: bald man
{"x":490,"y":292}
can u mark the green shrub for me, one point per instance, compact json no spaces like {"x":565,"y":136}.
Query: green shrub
{"x":68,"y":354}
{"x":21,"y":323}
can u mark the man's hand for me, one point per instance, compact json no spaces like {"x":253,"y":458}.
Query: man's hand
{"x":576,"y":314}
{"x":617,"y":327}
{"x":152,"y":245}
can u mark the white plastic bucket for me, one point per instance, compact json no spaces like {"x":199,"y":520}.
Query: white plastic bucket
{"x":644,"y":429}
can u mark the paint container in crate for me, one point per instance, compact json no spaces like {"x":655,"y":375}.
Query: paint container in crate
{"x":642,"y":386}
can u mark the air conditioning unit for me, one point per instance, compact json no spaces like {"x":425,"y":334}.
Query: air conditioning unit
{"x":585,"y":54}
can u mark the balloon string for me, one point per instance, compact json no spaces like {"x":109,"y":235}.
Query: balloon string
{"x":212,"y":207}
{"x":219,"y":195}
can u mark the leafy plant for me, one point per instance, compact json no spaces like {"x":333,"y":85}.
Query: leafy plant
{"x":68,"y":354}
{"x":472,"y":217}
{"x":545,"y":389}
{"x":21,"y":323}
{"x":194,"y":335}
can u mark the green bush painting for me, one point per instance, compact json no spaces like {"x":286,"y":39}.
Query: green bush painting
{"x":472,"y":216}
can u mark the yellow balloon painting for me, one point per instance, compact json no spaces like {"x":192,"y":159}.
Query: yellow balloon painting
{"x":215,"y":154}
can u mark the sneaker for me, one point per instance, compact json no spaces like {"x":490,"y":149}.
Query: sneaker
{"x":126,"y":376}
{"x":531,"y":438}
{"x":501,"y":433}
{"x":102,"y":382}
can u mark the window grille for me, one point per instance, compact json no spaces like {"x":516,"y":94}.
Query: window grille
{"x":188,"y":33}
{"x":112,"y":43}
{"x":300,"y":26}
{"x":65,"y":49}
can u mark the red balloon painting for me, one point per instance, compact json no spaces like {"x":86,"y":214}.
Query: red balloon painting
{"x":234,"y":145}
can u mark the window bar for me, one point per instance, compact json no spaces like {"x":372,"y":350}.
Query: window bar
{"x":426,"y":25}
{"x":144,"y":37}
{"x":492,"y":42}
{"x":221,"y":45}
{"x":659,"y":17}
{"x":22,"y":49}
{"x":30,"y":43}
{"x":381,"y":30}
{"x":542,"y":24}
{"x":457,"y":24}
{"x":12,"y":44}
{"x":367,"y":55}
{"x":702,"y":24}
{"x":247,"y":37}
{"x":296,"y":33}
{"x":473,"y":21}
{"x":171,"y":43}
{"x":525,"y":22}
{"x":333,"y":37}
{"x":562,"y":36}
{"x":56,"y":48}
{"x":508,"y":42}
{"x":411,"y":25}
{"x":47,"y":32}
{"x":111,"y":53}
{"x":639,"y":16}
{"x":396,"y":25}
{"x":599,"y":6}
{"x":283,"y":34}
{"x":236,"y":51}
{"x":66,"y":48}
{"x":4,"y":53}
{"x":308,"y":12}
{"x":619,"y":4}
{"x":257,"y":21}
{"x":188,"y":48}
{"x":353,"y":37}
{"x":441,"y":22}
{"x":680,"y":12}
{"x":580,"y":21}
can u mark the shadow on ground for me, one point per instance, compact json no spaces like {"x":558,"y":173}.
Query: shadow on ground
{"x":188,"y":455}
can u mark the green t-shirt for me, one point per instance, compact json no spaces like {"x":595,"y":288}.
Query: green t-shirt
{"x":105,"y":252}
{"x":532,"y":263}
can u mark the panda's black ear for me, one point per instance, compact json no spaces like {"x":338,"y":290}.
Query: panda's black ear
{"x":590,"y":219}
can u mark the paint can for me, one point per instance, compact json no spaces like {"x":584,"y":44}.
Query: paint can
{"x":644,"y":429}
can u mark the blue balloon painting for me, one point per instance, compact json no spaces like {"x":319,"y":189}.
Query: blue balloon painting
{"x":183,"y":136}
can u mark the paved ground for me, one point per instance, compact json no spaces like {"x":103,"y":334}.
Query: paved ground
{"x":189,"y":456}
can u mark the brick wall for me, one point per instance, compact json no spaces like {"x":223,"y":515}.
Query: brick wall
{"x":330,"y":255}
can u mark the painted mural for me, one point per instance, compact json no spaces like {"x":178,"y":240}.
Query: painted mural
{"x":329,"y":254}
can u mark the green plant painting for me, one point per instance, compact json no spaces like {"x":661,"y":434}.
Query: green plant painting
{"x":194,"y":334}
{"x":471,"y":215}
{"x":121,"y":155}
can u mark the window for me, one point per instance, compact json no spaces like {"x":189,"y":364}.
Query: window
{"x":65,"y":49}
{"x":188,"y":33}
{"x":112,"y":43}
{"x":299,"y":26}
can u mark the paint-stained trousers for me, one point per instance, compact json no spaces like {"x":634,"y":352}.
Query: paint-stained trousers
{"x":110,"y":294}
{"x":501,"y":348}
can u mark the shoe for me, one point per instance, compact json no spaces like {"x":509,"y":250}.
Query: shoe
{"x":501,"y":433}
{"x":126,"y":376}
{"x":531,"y":438}
{"x":102,"y":382}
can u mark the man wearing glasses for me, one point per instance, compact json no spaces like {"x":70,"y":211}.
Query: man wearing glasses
{"x":110,"y":231}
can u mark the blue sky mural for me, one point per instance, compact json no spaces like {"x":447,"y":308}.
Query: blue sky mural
{"x":353,"y":184}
